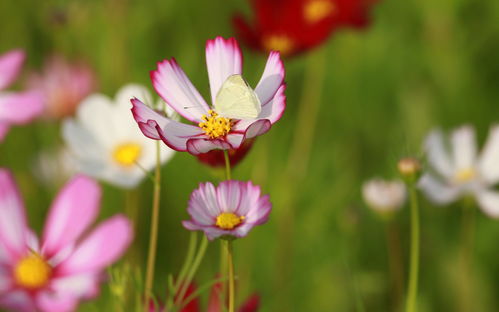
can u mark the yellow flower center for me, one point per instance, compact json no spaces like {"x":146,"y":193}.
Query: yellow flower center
{"x":32,"y":272}
{"x":316,"y":10}
{"x":465,"y":175}
{"x":215,"y":126}
{"x":228,"y":220}
{"x":127,"y":154}
{"x":279,"y":43}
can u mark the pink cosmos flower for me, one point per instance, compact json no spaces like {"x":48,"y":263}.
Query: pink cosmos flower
{"x":67,"y":265}
{"x":211,"y":130}
{"x":64,"y":85}
{"x":230,"y":210}
{"x":16,"y":108}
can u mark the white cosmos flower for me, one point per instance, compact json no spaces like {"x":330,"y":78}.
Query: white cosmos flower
{"x":458,"y":170}
{"x":384,"y":196}
{"x":106,"y":141}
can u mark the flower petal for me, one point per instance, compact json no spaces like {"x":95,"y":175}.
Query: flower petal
{"x":50,"y":301}
{"x":172,"y":84}
{"x":157,"y":127}
{"x":488,"y":164}
{"x":80,"y":286}
{"x":101,"y":248}
{"x":252,"y":304}
{"x":74,"y":209}
{"x":489,"y":202}
{"x":199,"y":146}
{"x":20,"y":108}
{"x":437,"y":192}
{"x":223,"y":59}
{"x":464,"y":147}
{"x":10,"y":66}
{"x":437,"y":155}
{"x":203,"y":205}
{"x":17,"y":300}
{"x":229,"y":195}
{"x":13,"y":226}
{"x":272,"y":78}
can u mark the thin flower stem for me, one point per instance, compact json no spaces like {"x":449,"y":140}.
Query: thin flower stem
{"x":231,"y":281}
{"x":153,"y":237}
{"x":395,"y":263}
{"x":227,"y":165}
{"x":412,"y":291}
{"x":192,"y":271}
{"x":467,"y":237}
{"x":188,"y":261}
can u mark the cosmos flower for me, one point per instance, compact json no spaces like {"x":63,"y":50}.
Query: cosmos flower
{"x":212,"y":128}
{"x":384,"y":196}
{"x":67,"y":265}
{"x":295,"y":26}
{"x":461,"y":171}
{"x":106,"y":143}
{"x":16,"y":108}
{"x":64,"y":85}
{"x":216,"y":158}
{"x":230,"y":210}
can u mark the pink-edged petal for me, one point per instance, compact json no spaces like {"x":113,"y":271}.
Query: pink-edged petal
{"x":17,"y":300}
{"x":74,"y":209}
{"x":10,"y":66}
{"x":13,"y":226}
{"x":488,"y":163}
{"x":229,"y":195}
{"x":101,"y":248}
{"x":203,"y":202}
{"x":464,"y":147}
{"x":438,"y":157}
{"x":20,"y":108}
{"x":172,"y":84}
{"x":223,"y":58}
{"x":51,"y":301}
{"x":436,"y":191}
{"x":272,"y":78}
{"x":489,"y":202}
{"x":155,"y":126}
{"x":258,"y":128}
{"x":199,"y":146}
{"x":4,"y":128}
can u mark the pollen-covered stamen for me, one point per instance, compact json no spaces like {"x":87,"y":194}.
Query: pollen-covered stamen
{"x":280,"y":43}
{"x":127,"y":154}
{"x":32,"y":272}
{"x":215,"y":126}
{"x":229,"y":220}
{"x":316,"y":10}
{"x":465,"y":175}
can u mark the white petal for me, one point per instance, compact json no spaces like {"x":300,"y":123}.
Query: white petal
{"x":464,"y":147}
{"x":438,"y":157}
{"x":272,"y":78}
{"x":489,"y":160}
{"x":488,"y":202}
{"x":436,"y":191}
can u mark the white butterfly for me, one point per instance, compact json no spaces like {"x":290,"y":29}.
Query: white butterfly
{"x":237,"y":100}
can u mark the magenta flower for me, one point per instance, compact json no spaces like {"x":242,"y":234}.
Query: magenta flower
{"x":16,"y":108}
{"x":232,"y":209}
{"x":68,"y":264}
{"x":64,"y":85}
{"x":212,"y":128}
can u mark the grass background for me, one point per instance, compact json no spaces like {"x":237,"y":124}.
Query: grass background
{"x":421,"y":64}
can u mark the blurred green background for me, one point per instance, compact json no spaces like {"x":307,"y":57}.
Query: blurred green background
{"x":421,"y":64}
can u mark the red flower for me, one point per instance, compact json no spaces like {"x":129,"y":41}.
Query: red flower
{"x":294,"y":26}
{"x":216,"y":158}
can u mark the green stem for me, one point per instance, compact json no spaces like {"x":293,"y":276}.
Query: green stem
{"x":153,"y":237}
{"x":227,"y":165}
{"x":467,"y":237}
{"x":192,"y":271}
{"x":395,"y":263}
{"x":231,"y":281}
{"x":412,"y":290}
{"x":188,"y":261}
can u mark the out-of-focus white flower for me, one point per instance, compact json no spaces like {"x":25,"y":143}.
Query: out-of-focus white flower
{"x":53,"y":167}
{"x":384,"y":196}
{"x":107,"y":142}
{"x":459,"y":171}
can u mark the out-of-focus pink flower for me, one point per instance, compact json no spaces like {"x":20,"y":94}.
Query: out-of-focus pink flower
{"x":230,"y":210}
{"x":67,"y":265}
{"x":212,"y":129}
{"x":216,"y":158}
{"x":64,"y":85}
{"x":16,"y":108}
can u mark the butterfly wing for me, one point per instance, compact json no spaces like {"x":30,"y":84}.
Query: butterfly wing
{"x":237,"y":100}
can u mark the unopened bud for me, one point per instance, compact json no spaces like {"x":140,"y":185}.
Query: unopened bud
{"x":409,"y":168}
